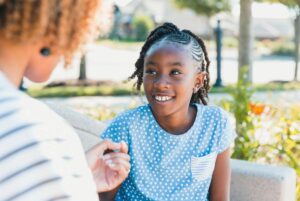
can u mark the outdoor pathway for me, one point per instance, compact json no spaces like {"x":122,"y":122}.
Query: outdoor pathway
{"x":104,"y":63}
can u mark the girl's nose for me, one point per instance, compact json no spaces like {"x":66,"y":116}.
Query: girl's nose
{"x":162,"y":82}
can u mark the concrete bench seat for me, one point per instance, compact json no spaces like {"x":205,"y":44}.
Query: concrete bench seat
{"x":249,"y":182}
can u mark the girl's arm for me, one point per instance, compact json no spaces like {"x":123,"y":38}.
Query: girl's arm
{"x":220,"y":186}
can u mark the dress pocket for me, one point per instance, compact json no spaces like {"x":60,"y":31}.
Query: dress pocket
{"x":203,"y":167}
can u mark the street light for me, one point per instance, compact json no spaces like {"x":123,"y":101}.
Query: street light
{"x":218,"y":32}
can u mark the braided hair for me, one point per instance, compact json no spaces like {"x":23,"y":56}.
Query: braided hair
{"x":169,"y":32}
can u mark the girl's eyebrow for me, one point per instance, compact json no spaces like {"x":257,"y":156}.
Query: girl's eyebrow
{"x":178,"y":63}
{"x":150,"y":63}
{"x":172,"y":64}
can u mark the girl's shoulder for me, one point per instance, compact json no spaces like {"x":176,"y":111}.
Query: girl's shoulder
{"x":134,"y":114}
{"x":212,"y":112}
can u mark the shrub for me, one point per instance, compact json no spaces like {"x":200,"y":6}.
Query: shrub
{"x":266,"y":133}
{"x":142,"y":25}
{"x":281,"y":47}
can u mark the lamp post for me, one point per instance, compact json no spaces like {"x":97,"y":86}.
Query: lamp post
{"x":218,"y":32}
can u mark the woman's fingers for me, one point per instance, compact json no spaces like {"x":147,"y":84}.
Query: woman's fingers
{"x":118,"y":164}
{"x":124,"y":147}
{"x":101,"y":147}
{"x":116,"y":155}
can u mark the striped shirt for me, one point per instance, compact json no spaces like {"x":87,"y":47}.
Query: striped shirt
{"x":41,"y":158}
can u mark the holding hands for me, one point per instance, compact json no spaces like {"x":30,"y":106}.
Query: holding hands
{"x":109,"y":163}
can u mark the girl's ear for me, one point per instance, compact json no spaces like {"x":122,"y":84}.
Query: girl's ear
{"x":199,"y":81}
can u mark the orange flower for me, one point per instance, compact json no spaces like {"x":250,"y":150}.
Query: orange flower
{"x":257,"y":109}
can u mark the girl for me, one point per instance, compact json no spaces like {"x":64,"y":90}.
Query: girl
{"x":179,"y":146}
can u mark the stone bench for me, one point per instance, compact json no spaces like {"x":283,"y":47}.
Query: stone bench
{"x":249,"y":182}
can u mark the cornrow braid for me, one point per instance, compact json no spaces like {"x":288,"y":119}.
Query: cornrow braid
{"x":170,"y":32}
{"x":202,"y":94}
{"x":156,"y":35}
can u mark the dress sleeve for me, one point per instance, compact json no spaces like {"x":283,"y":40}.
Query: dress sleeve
{"x":117,"y":131}
{"x":227,"y":132}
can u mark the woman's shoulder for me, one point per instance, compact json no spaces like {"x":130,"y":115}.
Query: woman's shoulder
{"x":25,"y":110}
{"x":25,"y":107}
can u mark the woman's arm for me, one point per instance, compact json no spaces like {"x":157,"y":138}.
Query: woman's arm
{"x":220,"y":186}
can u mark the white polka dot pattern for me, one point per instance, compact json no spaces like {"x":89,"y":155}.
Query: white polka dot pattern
{"x":170,"y":167}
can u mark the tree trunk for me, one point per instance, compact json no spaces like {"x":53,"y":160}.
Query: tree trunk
{"x":82,"y":71}
{"x":245,"y":39}
{"x":297,"y":40}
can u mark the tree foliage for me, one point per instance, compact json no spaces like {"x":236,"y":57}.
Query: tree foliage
{"x":207,"y":7}
{"x":289,"y":3}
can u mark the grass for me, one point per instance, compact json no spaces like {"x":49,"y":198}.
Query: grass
{"x":127,"y":89}
{"x":69,"y":91}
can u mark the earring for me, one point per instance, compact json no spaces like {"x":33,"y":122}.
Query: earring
{"x":45,"y":51}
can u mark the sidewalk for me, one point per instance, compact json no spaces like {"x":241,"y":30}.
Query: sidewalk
{"x":104,"y":63}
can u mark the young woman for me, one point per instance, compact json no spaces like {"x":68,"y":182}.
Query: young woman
{"x":41,"y":157}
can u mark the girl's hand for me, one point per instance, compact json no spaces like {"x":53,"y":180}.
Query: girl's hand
{"x":111,"y":169}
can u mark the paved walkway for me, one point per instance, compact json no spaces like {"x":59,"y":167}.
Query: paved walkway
{"x":104,"y":63}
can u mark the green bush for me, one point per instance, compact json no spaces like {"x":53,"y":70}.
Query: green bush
{"x":266,"y":133}
{"x":230,"y":42}
{"x":245,"y":143}
{"x":142,"y":25}
{"x":281,"y":47}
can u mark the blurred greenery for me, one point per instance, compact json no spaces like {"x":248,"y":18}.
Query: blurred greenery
{"x":72,"y":91}
{"x":279,"y":47}
{"x":142,"y":25}
{"x":123,"y":89}
{"x":245,"y":144}
{"x":266,"y":133}
{"x":207,"y":7}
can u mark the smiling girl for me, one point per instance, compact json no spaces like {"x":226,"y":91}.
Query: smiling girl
{"x":179,"y":146}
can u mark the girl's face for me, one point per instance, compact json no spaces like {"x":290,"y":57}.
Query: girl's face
{"x":169,"y":78}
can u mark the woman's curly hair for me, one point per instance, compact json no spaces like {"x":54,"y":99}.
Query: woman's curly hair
{"x":170,"y":32}
{"x":63,"y":24}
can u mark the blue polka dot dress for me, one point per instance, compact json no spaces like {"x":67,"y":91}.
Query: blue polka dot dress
{"x":167,"y":167}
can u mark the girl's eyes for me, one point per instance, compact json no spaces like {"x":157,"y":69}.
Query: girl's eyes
{"x":150,"y":72}
{"x":173,"y":72}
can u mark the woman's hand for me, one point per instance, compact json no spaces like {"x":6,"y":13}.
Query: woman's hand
{"x":111,"y":169}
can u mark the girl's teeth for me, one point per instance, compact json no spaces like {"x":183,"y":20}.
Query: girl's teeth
{"x":162,"y":98}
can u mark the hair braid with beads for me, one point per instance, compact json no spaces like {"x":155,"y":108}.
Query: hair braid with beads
{"x":170,"y":32}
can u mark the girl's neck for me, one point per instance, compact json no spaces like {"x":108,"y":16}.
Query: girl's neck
{"x":13,"y":61}
{"x":178,"y":123}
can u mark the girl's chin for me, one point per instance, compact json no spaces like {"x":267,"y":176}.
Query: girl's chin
{"x":159,"y":111}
